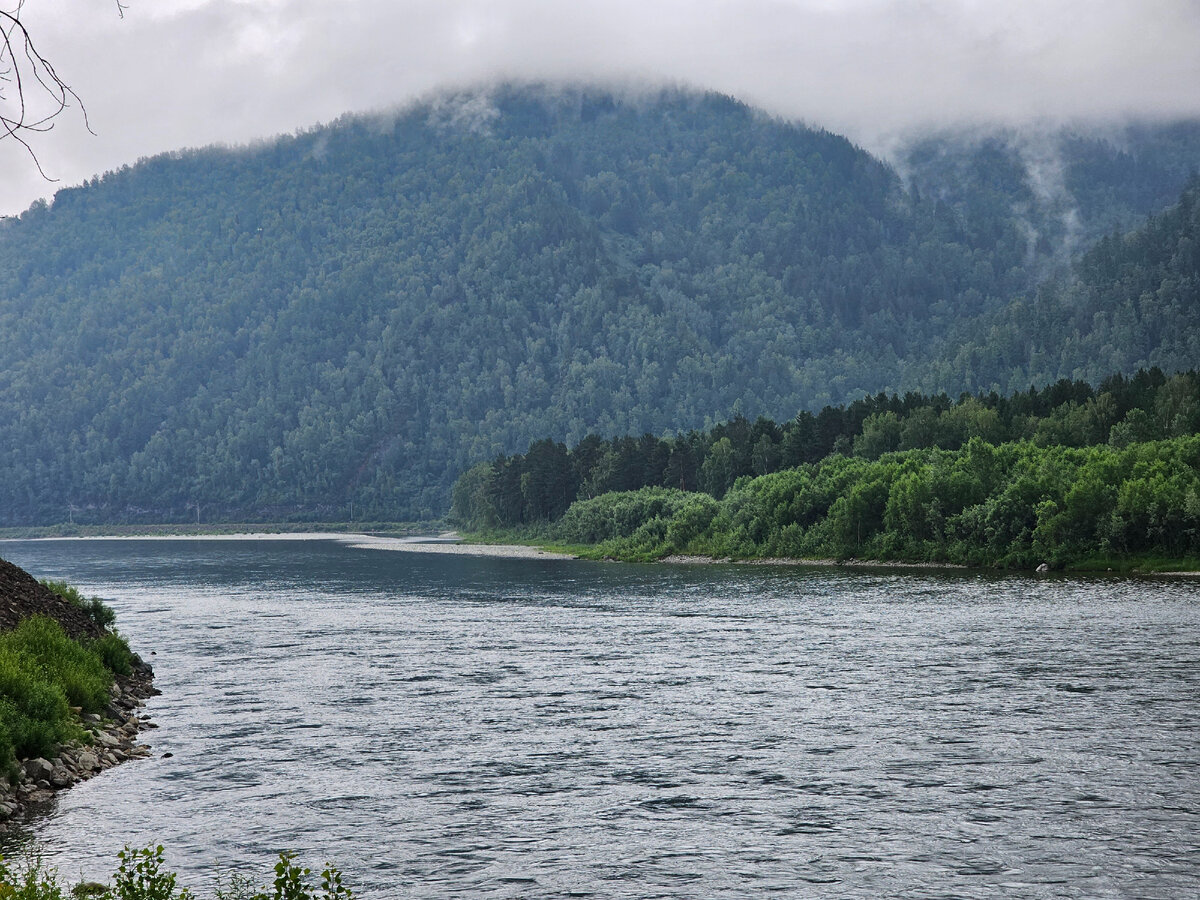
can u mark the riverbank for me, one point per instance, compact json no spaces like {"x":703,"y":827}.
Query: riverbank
{"x":105,"y":733}
{"x":450,"y":543}
{"x":1100,"y":565}
{"x":444,"y":542}
{"x":207,"y":530}
{"x":112,"y":740}
{"x":513,"y":547}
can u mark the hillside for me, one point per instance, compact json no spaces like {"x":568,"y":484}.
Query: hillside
{"x":22,"y":596}
{"x":343,"y":320}
{"x":1134,"y":301}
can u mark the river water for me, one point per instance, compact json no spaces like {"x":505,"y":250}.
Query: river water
{"x":444,"y":726}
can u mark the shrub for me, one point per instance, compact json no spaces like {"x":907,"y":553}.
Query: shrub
{"x":34,"y":713}
{"x":80,"y":674}
{"x":32,"y":881}
{"x":97,"y":610}
{"x":141,"y":875}
{"x":114,"y":652}
{"x":292,"y":883}
{"x":43,"y":673}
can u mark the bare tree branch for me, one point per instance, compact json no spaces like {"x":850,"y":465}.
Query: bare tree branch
{"x":32,"y":94}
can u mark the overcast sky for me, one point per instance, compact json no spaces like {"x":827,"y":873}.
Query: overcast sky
{"x":176,"y":73}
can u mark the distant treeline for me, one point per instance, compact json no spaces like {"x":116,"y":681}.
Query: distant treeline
{"x":540,"y":485}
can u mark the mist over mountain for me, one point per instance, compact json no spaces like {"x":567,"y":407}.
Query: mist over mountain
{"x":356,"y":313}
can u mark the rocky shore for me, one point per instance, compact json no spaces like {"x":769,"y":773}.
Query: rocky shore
{"x":113,"y":740}
{"x":111,"y":737}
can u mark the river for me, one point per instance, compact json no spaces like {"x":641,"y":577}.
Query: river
{"x":444,"y":727}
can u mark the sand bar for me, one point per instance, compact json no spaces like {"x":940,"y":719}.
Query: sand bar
{"x":447,"y":543}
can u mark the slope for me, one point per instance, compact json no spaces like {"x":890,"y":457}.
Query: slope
{"x":343,"y":319}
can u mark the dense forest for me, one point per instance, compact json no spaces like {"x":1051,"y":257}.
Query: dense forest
{"x":539,"y":486}
{"x":1012,"y":505}
{"x":336,"y":323}
{"x":1067,"y":476}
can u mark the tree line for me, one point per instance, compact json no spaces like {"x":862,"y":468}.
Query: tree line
{"x":1015,"y":505}
{"x":539,"y":486}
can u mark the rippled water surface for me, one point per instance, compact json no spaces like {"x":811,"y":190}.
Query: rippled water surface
{"x":468,"y":727}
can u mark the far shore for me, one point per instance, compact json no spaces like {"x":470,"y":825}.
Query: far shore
{"x":444,"y":543}
{"x":451,"y":544}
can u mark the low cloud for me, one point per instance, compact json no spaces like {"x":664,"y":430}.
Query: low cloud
{"x":176,"y":73}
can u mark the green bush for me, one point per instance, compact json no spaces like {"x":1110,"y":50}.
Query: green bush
{"x":34,"y":712}
{"x":114,"y":652}
{"x":140,"y":876}
{"x":293,"y":883}
{"x":97,"y":610}
{"x":43,"y":673}
{"x":1013,"y":505}
{"x":80,"y":673}
{"x":32,"y":881}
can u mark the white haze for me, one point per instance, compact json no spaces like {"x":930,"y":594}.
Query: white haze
{"x":176,"y":73}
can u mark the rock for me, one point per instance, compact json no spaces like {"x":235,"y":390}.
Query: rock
{"x":38,"y":768}
{"x":1043,"y":568}
{"x":61,"y":778}
{"x":104,"y":739}
{"x":87,"y":761}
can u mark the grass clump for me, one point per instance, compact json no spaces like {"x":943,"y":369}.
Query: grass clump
{"x":62,"y":662}
{"x":114,"y":652}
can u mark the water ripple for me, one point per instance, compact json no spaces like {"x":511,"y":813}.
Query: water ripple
{"x":445,"y":727}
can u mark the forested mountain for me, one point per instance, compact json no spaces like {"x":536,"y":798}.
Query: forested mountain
{"x":1134,"y":300}
{"x":355,"y":314}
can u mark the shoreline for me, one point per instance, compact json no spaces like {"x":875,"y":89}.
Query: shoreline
{"x":451,"y":544}
{"x":113,"y":742}
{"x":808,"y":562}
{"x":446,"y":543}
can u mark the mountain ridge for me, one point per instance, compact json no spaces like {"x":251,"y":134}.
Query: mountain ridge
{"x":353,"y":315}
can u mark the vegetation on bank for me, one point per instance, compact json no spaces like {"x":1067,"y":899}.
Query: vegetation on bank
{"x":48,"y":678}
{"x":537,"y":487}
{"x":141,"y":875}
{"x":1008,"y":505}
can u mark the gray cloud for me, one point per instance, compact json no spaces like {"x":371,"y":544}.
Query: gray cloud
{"x":177,"y":73}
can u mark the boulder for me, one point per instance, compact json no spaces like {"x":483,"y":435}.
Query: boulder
{"x":38,"y":768}
{"x":87,"y":761}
